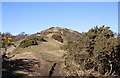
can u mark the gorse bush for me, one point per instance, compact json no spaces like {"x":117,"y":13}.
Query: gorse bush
{"x":57,"y":37}
{"x":34,"y":37}
{"x":31,"y":40}
{"x":7,"y":40}
{"x":96,"y":53}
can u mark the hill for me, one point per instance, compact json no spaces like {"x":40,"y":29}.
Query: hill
{"x":39,"y":54}
{"x":64,"y":52}
{"x":66,"y":34}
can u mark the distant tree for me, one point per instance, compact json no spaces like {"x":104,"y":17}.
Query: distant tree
{"x":22,"y":33}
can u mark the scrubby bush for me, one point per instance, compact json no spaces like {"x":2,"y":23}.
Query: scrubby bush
{"x":29,"y":42}
{"x":7,"y":40}
{"x":57,"y":37}
{"x":37,"y":38}
{"x":96,"y":53}
{"x":34,"y":37}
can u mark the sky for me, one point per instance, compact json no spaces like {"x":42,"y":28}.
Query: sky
{"x":32,"y":17}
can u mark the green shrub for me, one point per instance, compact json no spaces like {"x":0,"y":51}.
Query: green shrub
{"x":34,"y":37}
{"x":29,"y":42}
{"x":37,"y":38}
{"x":6,"y":40}
{"x":96,"y":51}
{"x":57,"y":37}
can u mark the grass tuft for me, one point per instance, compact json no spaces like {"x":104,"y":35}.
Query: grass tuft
{"x":49,"y":57}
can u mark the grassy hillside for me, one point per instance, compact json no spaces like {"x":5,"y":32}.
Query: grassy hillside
{"x":40,"y":50}
{"x":46,"y":51}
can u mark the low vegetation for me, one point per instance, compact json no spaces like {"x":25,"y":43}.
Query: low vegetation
{"x":71,"y":35}
{"x":7,"y":40}
{"x":19,"y":37}
{"x":96,"y":53}
{"x":57,"y":37}
{"x":63,"y":32}
{"x":41,"y":48}
{"x":31,"y":40}
{"x":48,"y":57}
{"x":26,"y":43}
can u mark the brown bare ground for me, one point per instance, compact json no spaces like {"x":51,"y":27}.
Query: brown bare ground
{"x":41,"y":68}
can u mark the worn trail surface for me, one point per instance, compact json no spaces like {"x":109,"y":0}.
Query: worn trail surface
{"x":33,"y":63}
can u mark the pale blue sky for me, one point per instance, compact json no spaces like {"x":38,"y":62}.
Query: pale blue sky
{"x":32,"y":17}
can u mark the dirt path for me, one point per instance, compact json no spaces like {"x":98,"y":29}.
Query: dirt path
{"x":36,"y":63}
{"x":33,"y":66}
{"x":56,"y":71}
{"x":57,"y":44}
{"x":40,"y":69}
{"x":11,"y":48}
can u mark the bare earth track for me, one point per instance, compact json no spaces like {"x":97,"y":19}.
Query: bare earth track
{"x":32,"y":63}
